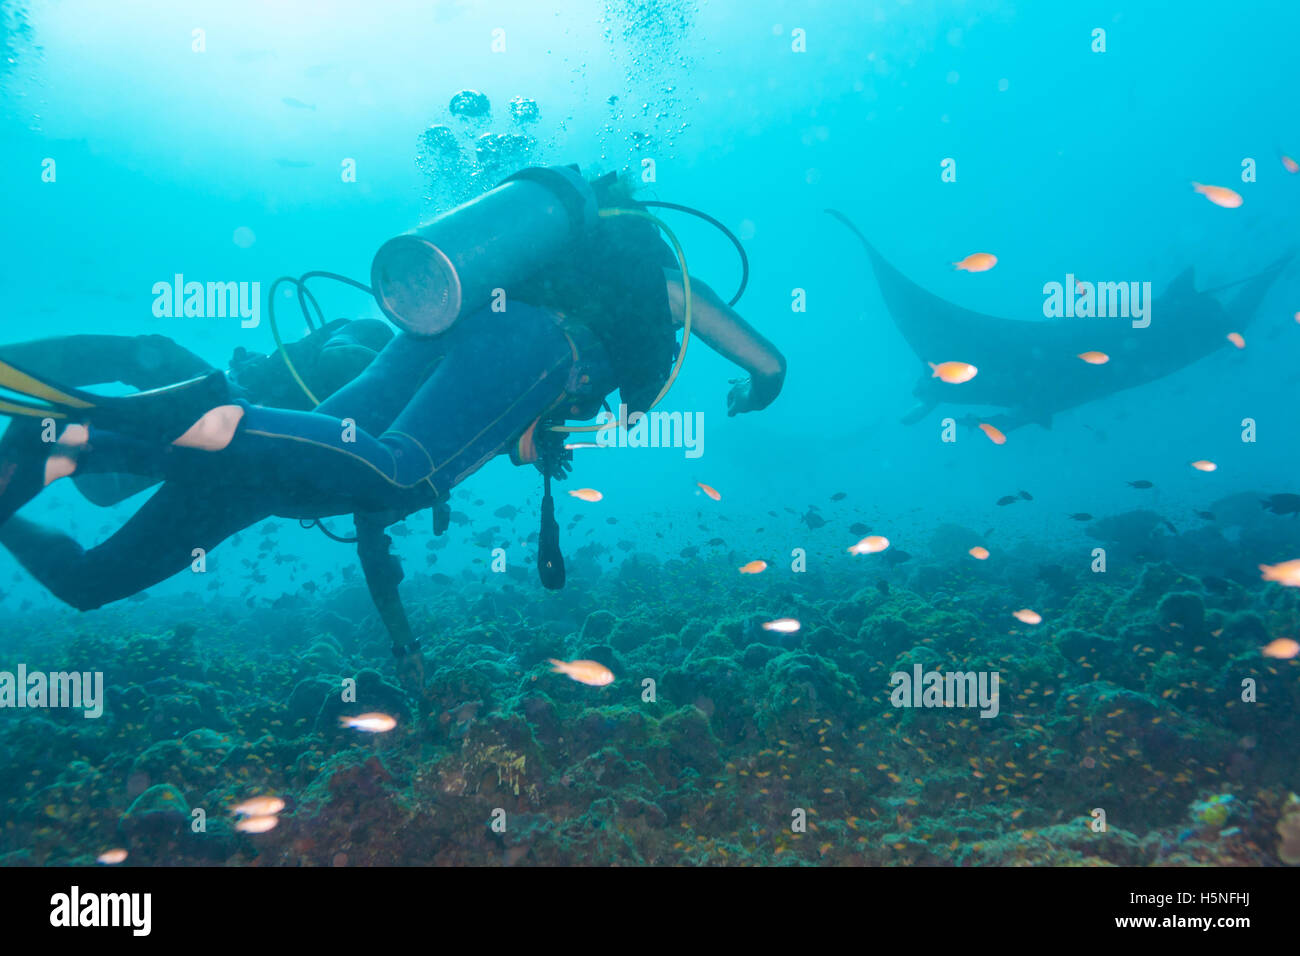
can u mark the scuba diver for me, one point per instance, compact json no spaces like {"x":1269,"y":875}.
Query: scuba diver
{"x":504,"y":336}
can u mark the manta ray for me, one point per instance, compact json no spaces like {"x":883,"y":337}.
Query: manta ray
{"x":1032,"y":368}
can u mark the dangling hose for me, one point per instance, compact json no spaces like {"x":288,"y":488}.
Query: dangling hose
{"x":304,"y":296}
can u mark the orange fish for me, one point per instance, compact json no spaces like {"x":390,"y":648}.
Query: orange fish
{"x":257,"y":824}
{"x":1026,"y":616}
{"x":979,"y":553}
{"x":110,"y":857}
{"x":954,"y":373}
{"x":782,"y":625}
{"x":977,"y":262}
{"x":369,"y":723}
{"x":1284,"y":648}
{"x":1287,"y":573}
{"x":1291,"y":165}
{"x":711,"y":492}
{"x":1236,"y":339}
{"x":1219,"y":195}
{"x":995,"y":436}
{"x":589,"y":495}
{"x":871,"y":544}
{"x":591,"y":673}
{"x":1204,"y":465}
{"x":1095,"y":358}
{"x":259,"y":807}
{"x":753,"y":567}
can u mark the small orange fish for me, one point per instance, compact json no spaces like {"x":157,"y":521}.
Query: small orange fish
{"x":1026,"y":616}
{"x":995,"y":436}
{"x":1236,"y":339}
{"x":1095,"y":358}
{"x":111,"y":857}
{"x":782,"y":625}
{"x":586,"y":494}
{"x":259,"y":807}
{"x":257,"y":824}
{"x":954,"y":373}
{"x":369,"y":723}
{"x":871,"y":544}
{"x":591,"y":673}
{"x":1290,"y":164}
{"x":979,"y":553}
{"x":1204,"y":465}
{"x":1287,"y":573}
{"x":977,"y":262}
{"x":1219,"y":195}
{"x":1284,"y":648}
{"x":753,"y":567}
{"x":711,"y":492}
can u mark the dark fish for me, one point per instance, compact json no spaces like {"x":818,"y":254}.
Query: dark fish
{"x":626,"y":546}
{"x":1140,"y":484}
{"x":1081,"y":516}
{"x":309,"y":587}
{"x":859,"y":528}
{"x":611,"y":521}
{"x":269,"y":528}
{"x":690,"y":552}
{"x":459,"y":517}
{"x":506,"y":511}
{"x":715,"y":542}
{"x":1170,"y":525}
{"x":839,"y":496}
{"x":894,"y":556}
{"x":296,"y":103}
{"x":1008,"y":500}
{"x":1207,"y":515}
{"x":1026,"y":495}
{"x":399,"y":531}
{"x":812,"y":519}
{"x":1282,"y":504}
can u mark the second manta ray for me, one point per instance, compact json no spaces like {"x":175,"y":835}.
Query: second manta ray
{"x":1032,"y":368}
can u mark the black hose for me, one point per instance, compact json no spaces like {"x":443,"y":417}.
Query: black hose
{"x":691,"y":211}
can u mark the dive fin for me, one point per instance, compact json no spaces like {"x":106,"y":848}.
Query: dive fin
{"x":107,"y":490}
{"x":160,"y":414}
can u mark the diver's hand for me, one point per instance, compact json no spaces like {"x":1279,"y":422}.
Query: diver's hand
{"x":740,"y":398}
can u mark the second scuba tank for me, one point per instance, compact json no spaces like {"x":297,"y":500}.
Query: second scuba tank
{"x":426,"y":279}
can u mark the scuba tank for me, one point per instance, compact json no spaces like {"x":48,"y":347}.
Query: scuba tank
{"x":426,"y":279}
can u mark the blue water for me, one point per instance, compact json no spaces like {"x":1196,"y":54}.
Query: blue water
{"x":1068,"y":161}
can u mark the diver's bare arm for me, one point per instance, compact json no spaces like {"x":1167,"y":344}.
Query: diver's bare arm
{"x":722,"y":330}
